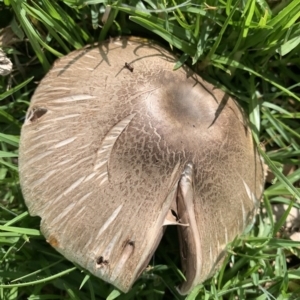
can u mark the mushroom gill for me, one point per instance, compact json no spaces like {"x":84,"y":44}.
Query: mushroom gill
{"x":114,"y":140}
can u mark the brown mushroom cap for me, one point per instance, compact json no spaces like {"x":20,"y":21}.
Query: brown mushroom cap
{"x":109,"y":155}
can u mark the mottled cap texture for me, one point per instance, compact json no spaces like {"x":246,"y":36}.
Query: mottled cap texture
{"x":117,"y":145}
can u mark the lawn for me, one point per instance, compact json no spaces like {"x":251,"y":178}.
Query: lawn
{"x":248,"y":48}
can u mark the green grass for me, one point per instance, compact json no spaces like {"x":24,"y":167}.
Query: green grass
{"x":249,"y":48}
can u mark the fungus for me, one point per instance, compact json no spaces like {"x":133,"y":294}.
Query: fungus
{"x":116,"y":156}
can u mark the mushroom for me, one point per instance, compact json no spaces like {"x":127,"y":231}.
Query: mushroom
{"x":110,"y":156}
